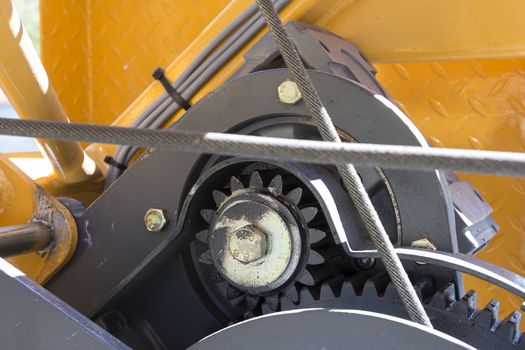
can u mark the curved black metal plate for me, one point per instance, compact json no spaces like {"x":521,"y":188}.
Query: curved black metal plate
{"x":115,"y":245}
{"x":328,"y":329}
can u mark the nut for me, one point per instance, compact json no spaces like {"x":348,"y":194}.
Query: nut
{"x":247,"y":244}
{"x":365,"y":263}
{"x":289,"y":92}
{"x":423,"y":243}
{"x":155,"y":219}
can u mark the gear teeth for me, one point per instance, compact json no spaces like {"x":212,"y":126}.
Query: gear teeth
{"x":314,"y":258}
{"x":294,"y":196}
{"x":381,"y":282}
{"x":488,"y":317}
{"x":347,"y":290}
{"x":328,"y":252}
{"x":327,"y":292}
{"x":309,"y":213}
{"x":203,"y":236}
{"x":331,"y":288}
{"x":256,"y":181}
{"x":493,"y":307}
{"x":207,"y":215}
{"x":369,"y":290}
{"x":206,"y":258}
{"x":265,"y":309}
{"x":272,"y":301}
{"x":390,"y":292}
{"x":316,"y":235}
{"x":218,"y":197}
{"x":222,"y":287}
{"x":354,"y":285}
{"x":376,"y":286}
{"x":461,"y":308}
{"x":248,"y":314}
{"x":510,"y":328}
{"x":320,"y":273}
{"x":276,"y":185}
{"x":444,"y":299}
{"x":425,"y":289}
{"x":232,"y":292}
{"x":471,"y":299}
{"x":235,"y":184}
{"x":358,"y":282}
{"x":306,"y":278}
{"x":216,"y":278}
{"x":252,"y":302}
{"x":292,"y":294}
{"x":306,"y":297}
{"x":288,"y":304}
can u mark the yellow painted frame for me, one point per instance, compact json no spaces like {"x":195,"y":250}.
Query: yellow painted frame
{"x":468,"y":91}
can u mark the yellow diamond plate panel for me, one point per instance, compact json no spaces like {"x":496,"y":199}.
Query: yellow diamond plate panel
{"x":100,"y":53}
{"x":476,"y":105}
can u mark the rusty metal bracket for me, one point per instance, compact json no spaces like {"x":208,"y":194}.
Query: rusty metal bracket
{"x":21,"y":201}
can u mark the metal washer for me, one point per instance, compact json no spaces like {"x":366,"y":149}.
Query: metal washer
{"x":249,"y":208}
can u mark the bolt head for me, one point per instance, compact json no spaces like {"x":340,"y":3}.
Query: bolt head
{"x":247,"y":244}
{"x":155,"y":219}
{"x":289,"y":92}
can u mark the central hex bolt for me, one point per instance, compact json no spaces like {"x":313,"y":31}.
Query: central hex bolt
{"x":247,"y":244}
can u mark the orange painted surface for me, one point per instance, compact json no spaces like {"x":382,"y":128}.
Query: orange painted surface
{"x":100,"y":54}
{"x":476,"y":105}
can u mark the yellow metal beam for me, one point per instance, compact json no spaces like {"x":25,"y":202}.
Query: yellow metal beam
{"x":21,"y":201}
{"x":27,"y":86}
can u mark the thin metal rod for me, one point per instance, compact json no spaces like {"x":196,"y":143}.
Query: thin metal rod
{"x":26,"y":84}
{"x":22,"y":239}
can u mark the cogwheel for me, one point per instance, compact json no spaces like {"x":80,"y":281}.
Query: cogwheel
{"x":459,"y":318}
{"x":235,"y":279}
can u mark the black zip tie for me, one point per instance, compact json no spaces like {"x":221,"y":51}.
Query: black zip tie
{"x":158,"y":74}
{"x":111,"y":161}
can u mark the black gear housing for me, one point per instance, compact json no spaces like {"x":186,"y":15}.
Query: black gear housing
{"x":162,"y":295}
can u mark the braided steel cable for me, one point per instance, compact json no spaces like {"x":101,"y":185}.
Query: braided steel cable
{"x":349,"y":175}
{"x":305,"y":151}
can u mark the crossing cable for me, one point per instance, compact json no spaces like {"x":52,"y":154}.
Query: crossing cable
{"x":349,"y":175}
